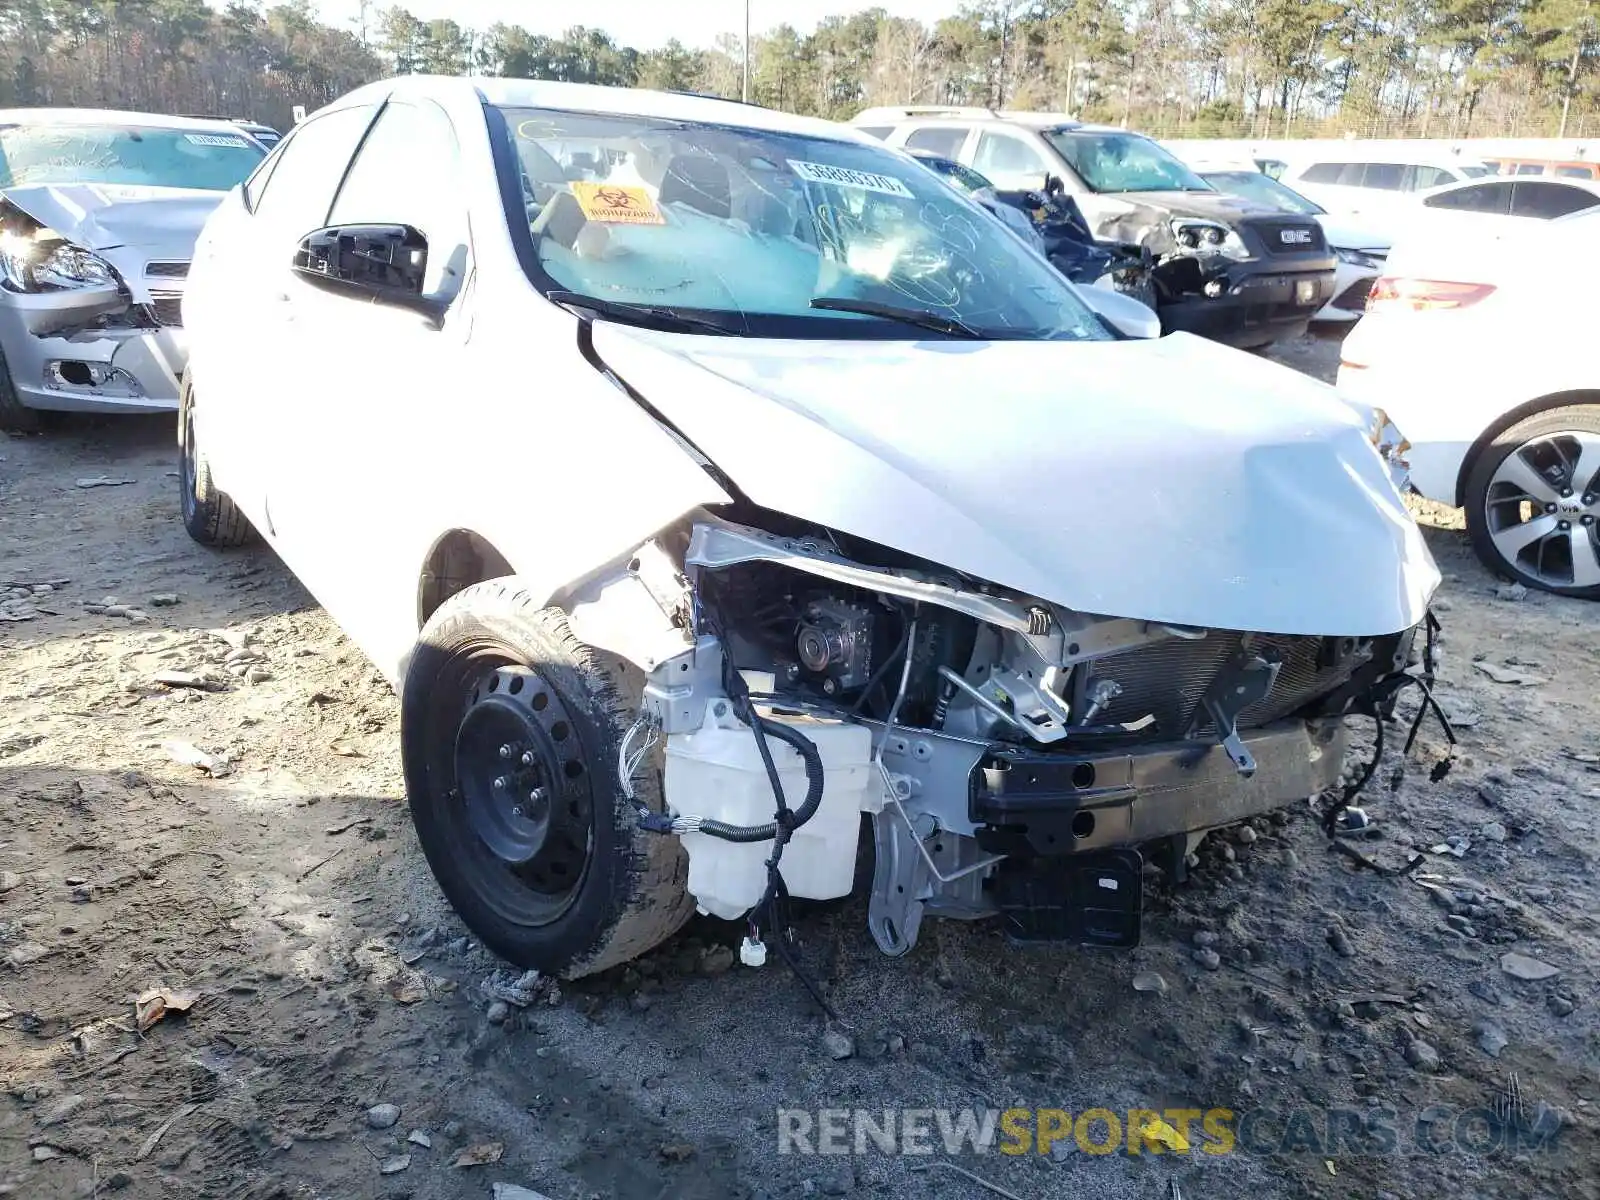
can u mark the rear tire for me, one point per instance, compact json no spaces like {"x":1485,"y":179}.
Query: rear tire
{"x":492,"y":667}
{"x":209,"y":514}
{"x":15,"y":416}
{"x":1521,"y":524}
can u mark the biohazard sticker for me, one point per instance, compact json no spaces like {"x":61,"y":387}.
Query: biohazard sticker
{"x":869,"y":181}
{"x":617,"y":204}
{"x":215,"y":139}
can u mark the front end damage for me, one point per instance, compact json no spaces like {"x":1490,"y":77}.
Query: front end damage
{"x":1224,"y":269}
{"x":1014,"y":758}
{"x":88,"y":330}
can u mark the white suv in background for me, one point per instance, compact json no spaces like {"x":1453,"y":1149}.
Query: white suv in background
{"x":1372,"y":180}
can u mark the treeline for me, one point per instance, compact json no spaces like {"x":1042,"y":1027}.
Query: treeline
{"x":1246,"y":68}
{"x":180,"y":56}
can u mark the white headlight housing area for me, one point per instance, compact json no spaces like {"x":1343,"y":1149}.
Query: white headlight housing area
{"x":48,"y":263}
{"x":1201,"y":238}
{"x":1359,"y":258}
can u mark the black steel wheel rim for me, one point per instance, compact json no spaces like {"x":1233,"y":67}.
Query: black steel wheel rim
{"x":522,"y":799}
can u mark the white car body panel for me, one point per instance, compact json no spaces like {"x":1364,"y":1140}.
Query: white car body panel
{"x":1447,"y":377}
{"x":1270,"y":509}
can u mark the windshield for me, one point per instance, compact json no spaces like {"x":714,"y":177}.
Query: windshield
{"x":1473,"y":172}
{"x":125,"y":154}
{"x":1123,"y":162}
{"x":772,"y":234}
{"x":1253,"y":185}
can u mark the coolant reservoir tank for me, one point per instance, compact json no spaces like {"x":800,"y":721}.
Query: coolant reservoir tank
{"x":716,"y":773}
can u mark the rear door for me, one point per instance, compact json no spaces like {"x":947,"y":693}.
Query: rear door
{"x":1546,"y":199}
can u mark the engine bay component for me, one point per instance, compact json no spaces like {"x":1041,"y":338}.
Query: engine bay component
{"x":718,"y":769}
{"x":1091,"y":899}
{"x":1011,"y":756}
{"x":835,"y":641}
{"x":1246,"y":679}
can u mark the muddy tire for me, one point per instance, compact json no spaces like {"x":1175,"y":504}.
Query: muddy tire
{"x":509,"y":730}
{"x":15,"y":416}
{"x":209,"y":514}
{"x":1532,"y":501}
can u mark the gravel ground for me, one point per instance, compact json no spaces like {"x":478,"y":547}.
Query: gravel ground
{"x":221,"y":954}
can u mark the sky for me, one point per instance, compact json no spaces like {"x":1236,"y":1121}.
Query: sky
{"x":642,"y":24}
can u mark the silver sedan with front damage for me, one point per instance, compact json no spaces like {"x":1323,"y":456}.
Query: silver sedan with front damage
{"x":99,"y":212}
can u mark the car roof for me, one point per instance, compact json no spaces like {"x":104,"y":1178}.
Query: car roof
{"x":1387,"y":155}
{"x":587,"y":97}
{"x":111,"y":116}
{"x":1232,"y":166}
{"x":905,"y":114}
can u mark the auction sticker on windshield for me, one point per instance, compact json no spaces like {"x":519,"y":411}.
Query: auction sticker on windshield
{"x":616,"y":203}
{"x":215,"y":139}
{"x":846,"y":177}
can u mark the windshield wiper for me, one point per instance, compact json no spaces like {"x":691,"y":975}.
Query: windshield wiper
{"x":919,"y":317}
{"x":659,"y":315}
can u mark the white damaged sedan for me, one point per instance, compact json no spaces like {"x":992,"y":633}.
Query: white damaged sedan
{"x":715,"y":483}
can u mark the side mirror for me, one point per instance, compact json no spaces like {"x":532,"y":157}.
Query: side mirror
{"x":1127,"y":316}
{"x":385,"y":264}
{"x":1053,"y":185}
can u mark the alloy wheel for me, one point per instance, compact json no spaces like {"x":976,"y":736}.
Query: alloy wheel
{"x":1542,"y":509}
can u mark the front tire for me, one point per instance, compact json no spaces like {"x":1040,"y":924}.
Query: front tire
{"x":1533,"y":502}
{"x":209,"y":514}
{"x":510,"y":728}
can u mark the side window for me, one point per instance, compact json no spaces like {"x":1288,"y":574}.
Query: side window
{"x":1351,"y":174}
{"x":406,"y":174}
{"x":1322,"y":173}
{"x":1530,"y":168}
{"x":1480,"y":198}
{"x":1575,"y":172}
{"x":878,"y":131}
{"x":1423,"y":178}
{"x":943,"y":141}
{"x":1272,"y":168}
{"x":1533,"y":198}
{"x":1387,"y":177}
{"x":309,"y":166}
{"x":1003,"y":158}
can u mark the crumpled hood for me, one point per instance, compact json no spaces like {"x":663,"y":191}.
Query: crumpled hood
{"x":1210,"y":206}
{"x":103,"y":216}
{"x":1171,"y":480}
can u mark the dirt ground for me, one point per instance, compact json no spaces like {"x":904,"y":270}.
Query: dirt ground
{"x":274,"y":899}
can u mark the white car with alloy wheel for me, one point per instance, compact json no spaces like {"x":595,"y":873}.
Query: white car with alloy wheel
{"x":713,"y":481}
{"x":1481,"y":350}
